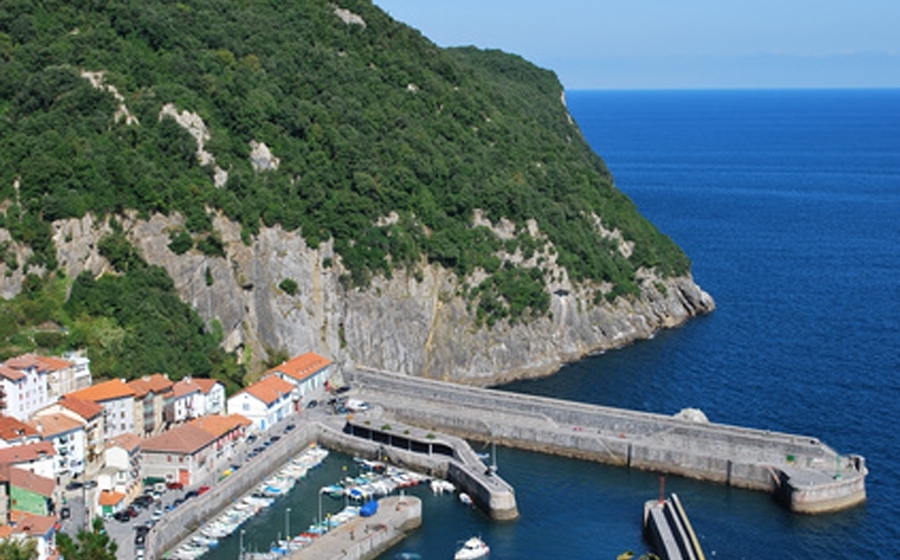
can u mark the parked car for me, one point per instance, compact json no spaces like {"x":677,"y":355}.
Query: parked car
{"x":74,"y":485}
{"x":174,"y":485}
{"x":157,"y":514}
{"x":203,"y":490}
{"x":251,"y":438}
{"x":65,"y":513}
{"x":191,"y":494}
{"x":90,"y":484}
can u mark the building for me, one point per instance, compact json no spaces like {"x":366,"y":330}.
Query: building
{"x":90,"y":414}
{"x":265,"y":402}
{"x":117,"y":400}
{"x":152,"y":396}
{"x":16,"y":432}
{"x":39,"y":458}
{"x":62,"y":375}
{"x":39,"y":528}
{"x":185,"y":454}
{"x":306,"y":372}
{"x":121,"y":472}
{"x":23,"y":390}
{"x":195,"y":397}
{"x":228,"y":431}
{"x":67,"y":435}
{"x":30,"y":492}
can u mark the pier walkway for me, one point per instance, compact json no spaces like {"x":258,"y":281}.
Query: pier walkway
{"x":807,"y":475}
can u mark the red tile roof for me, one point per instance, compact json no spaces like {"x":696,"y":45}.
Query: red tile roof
{"x":156,"y":383}
{"x":206,"y":384}
{"x":42,"y":363}
{"x":302,"y":366}
{"x":11,"y":374}
{"x":86,"y":409}
{"x":185,"y":440}
{"x":219,"y":425}
{"x":20,"y":478}
{"x":127,"y":441}
{"x":28,"y":452}
{"x":12,"y":429}
{"x":105,"y":391}
{"x":49,"y":425}
{"x":34,"y":525}
{"x":270,"y":389}
{"x":109,"y":498}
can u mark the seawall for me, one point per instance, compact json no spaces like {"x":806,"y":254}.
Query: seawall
{"x":807,"y":475}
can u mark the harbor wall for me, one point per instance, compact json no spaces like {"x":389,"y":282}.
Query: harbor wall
{"x":742,"y":457}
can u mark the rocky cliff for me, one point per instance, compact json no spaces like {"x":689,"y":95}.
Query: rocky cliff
{"x":415,"y":324}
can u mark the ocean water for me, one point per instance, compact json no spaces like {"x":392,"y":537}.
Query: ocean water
{"x":788,"y":203}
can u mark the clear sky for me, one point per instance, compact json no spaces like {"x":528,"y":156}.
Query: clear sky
{"x":640,"y":44}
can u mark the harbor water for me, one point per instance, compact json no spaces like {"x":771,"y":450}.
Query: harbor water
{"x":788,"y":203}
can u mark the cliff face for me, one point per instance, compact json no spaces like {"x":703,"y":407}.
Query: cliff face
{"x":416,"y":326}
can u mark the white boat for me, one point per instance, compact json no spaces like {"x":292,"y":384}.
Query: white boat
{"x":465,"y":498}
{"x":471,"y":549}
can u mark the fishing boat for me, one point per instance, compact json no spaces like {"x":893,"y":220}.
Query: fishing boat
{"x":465,"y":498}
{"x":471,"y":549}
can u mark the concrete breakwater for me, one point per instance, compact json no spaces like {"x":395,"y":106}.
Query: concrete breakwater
{"x":804,"y":473}
{"x":364,"y":538}
{"x":668,"y":529}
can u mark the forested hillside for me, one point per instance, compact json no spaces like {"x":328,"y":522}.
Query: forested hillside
{"x":365,"y":116}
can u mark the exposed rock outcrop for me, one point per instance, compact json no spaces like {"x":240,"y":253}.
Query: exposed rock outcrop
{"x":417,"y":326}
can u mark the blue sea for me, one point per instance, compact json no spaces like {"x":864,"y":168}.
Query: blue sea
{"x":788,"y":203}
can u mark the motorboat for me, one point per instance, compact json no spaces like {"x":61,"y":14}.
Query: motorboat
{"x":471,"y":549}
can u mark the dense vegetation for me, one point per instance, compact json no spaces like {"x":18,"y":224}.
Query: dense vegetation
{"x":365,"y":119}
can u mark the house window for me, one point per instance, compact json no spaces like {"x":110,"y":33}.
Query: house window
{"x":246,"y":406}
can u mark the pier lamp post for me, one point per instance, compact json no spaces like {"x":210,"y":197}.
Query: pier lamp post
{"x":241,"y":548}
{"x":319,"y":519}
{"x":287,"y":524}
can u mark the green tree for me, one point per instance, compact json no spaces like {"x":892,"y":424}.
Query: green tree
{"x":18,"y":550}
{"x":95,"y":544}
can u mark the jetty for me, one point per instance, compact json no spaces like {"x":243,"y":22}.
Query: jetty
{"x":801,"y":471}
{"x":668,"y":529}
{"x":364,"y":538}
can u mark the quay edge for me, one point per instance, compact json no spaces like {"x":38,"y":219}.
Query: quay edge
{"x":803,"y":473}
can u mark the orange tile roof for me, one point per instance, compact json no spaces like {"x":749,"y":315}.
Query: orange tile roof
{"x":219,"y":425}
{"x":302,"y":366}
{"x":186,"y":440}
{"x":105,"y":391}
{"x":127,"y":441}
{"x":84,"y":408}
{"x":20,"y":478}
{"x":185,"y":387}
{"x":53,"y":424}
{"x":11,"y":374}
{"x":42,"y":363}
{"x":206,"y":384}
{"x":269,"y":389}
{"x":27,"y":452}
{"x":34,"y":525}
{"x":12,"y":429}
{"x":109,"y":498}
{"x":6,"y":531}
{"x":156,"y":383}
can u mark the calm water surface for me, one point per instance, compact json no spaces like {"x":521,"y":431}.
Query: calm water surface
{"x":788,"y":203}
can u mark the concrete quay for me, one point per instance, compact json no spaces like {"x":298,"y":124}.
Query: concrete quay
{"x":363,"y":538}
{"x":668,"y":529}
{"x":802,"y":472}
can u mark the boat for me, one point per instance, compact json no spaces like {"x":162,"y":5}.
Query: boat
{"x":471,"y":549}
{"x":465,"y":498}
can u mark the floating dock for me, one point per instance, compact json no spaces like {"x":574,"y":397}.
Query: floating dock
{"x":804,"y":473}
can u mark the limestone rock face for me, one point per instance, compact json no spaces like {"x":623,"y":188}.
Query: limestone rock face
{"x":416,"y":326}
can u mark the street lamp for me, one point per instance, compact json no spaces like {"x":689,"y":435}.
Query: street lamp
{"x":319,"y":519}
{"x":241,"y":550}
{"x":287,"y":524}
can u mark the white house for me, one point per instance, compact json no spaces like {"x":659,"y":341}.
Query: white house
{"x":39,"y":458}
{"x":117,"y":400}
{"x":62,"y":375}
{"x":194,"y":397}
{"x":90,"y":415}
{"x":264,"y":403}
{"x":121,"y":473}
{"x":22,"y":391}
{"x":306,"y":372}
{"x":185,"y":454}
{"x":68,"y":438}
